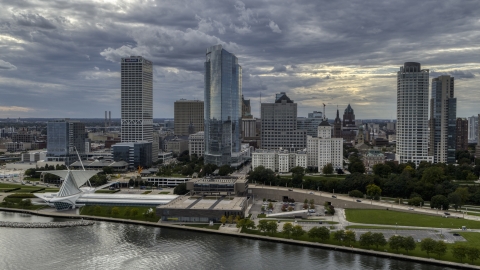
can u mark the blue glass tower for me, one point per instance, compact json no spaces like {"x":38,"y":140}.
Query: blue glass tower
{"x":223,"y":107}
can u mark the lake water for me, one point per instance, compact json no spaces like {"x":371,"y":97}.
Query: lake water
{"x":120,"y":246}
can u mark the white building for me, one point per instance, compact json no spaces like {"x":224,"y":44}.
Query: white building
{"x":472,"y":129}
{"x":137,"y":101}
{"x":196,"y":144}
{"x":279,"y":160}
{"x":412,"y":114}
{"x":324,"y":149}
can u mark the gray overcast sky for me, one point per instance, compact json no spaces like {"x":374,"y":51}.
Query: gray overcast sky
{"x":61,"y":58}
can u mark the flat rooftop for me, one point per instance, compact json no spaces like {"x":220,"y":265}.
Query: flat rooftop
{"x":210,"y":203}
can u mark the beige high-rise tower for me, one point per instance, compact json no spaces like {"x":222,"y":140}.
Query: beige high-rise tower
{"x":188,"y":117}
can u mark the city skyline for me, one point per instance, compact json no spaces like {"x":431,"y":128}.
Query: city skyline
{"x":333,"y":53}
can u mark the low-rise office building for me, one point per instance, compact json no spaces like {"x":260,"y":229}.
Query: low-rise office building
{"x":157,"y":181}
{"x":196,"y":144}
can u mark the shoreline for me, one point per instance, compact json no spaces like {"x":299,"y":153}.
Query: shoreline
{"x":255,"y":237}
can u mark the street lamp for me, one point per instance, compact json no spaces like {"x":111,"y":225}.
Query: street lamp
{"x":396,"y":227}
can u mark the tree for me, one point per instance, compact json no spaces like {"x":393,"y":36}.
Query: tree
{"x":349,"y":237}
{"x":373,"y":191}
{"x":366,"y":240}
{"x":135,"y":212}
{"x":409,"y":243}
{"x":382,"y":170}
{"x":327,"y":169}
{"x":459,"y":252}
{"x":312,"y":203}
{"x":455,"y":200}
{"x":236,"y":219}
{"x":339,"y":235}
{"x":272,"y":226}
{"x":127,"y":212}
{"x":297,"y":231}
{"x":270,"y":205}
{"x":180,"y":189}
{"x":463,"y":193}
{"x":440,"y":248}
{"x":115,"y":211}
{"x":261,"y":175}
{"x":356,"y":167}
{"x":287,"y":229}
{"x":297,"y":175}
{"x":395,"y":242}
{"x":440,"y":202}
{"x":473,"y":254}
{"x":223,"y":219}
{"x":97,"y":210}
{"x":416,"y":201}
{"x":323,"y":233}
{"x":379,"y":240}
{"x":433,"y":175}
{"x":131,"y":183}
{"x":355,"y":193}
{"x":246,"y":223}
{"x":225,"y":170}
{"x":107,"y":170}
{"x":428,"y":245}
{"x":230,"y":219}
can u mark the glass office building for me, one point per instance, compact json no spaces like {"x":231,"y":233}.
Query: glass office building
{"x":223,"y":107}
{"x":136,"y":154}
{"x":63,"y":137}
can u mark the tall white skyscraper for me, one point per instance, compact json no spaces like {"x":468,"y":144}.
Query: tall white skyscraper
{"x":472,"y":129}
{"x":137,"y":101}
{"x":223,"y":107}
{"x":443,"y":117}
{"x":412,"y":114}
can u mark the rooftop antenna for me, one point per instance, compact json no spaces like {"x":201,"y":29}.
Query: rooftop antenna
{"x":323,"y":111}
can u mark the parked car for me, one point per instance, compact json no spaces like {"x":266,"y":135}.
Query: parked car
{"x":447,"y":214}
{"x":333,"y":196}
{"x":311,"y":192}
{"x":359,"y":201}
{"x":290,"y":189}
{"x":456,"y":234}
{"x":410,"y":208}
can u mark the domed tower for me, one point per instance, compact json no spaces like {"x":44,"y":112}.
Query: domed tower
{"x":348,"y":117}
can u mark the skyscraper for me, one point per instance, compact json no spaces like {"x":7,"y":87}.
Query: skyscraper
{"x":337,"y":126}
{"x":349,"y":117}
{"x":279,"y":125}
{"x":137,"y":101}
{"x":472,"y":129}
{"x":63,"y":138}
{"x":223,"y":107}
{"x":188,"y":115}
{"x":461,"y":135}
{"x":412,"y":114}
{"x":443,"y":115}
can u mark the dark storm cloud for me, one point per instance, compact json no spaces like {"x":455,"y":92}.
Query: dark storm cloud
{"x":317,"y":51}
{"x":34,"y":20}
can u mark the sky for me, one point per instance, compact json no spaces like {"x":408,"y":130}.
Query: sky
{"x":61,"y":58}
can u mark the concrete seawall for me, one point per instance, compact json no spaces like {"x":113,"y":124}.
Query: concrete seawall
{"x":259,"y":237}
{"x":44,"y":225}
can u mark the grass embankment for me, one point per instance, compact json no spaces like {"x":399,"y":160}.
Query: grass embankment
{"x":147,"y":192}
{"x":107,"y":191}
{"x":18,"y":188}
{"x":389,"y":217}
{"x":164,"y":192}
{"x":205,"y":226}
{"x":124,"y":212}
{"x":16,"y":201}
{"x":473,"y":239}
{"x":173,"y":175}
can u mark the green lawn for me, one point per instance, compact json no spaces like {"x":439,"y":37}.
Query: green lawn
{"x":107,"y":191}
{"x":164,"y":192}
{"x":106,"y":211}
{"x":361,"y":227}
{"x":147,"y":192}
{"x":389,"y":217}
{"x":261,"y":215}
{"x":25,"y":188}
{"x":205,"y":226}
